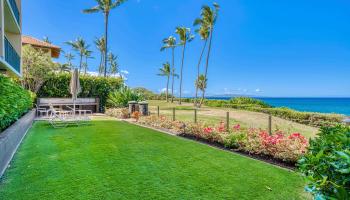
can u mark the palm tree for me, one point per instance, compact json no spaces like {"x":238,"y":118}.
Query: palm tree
{"x":69,"y":57}
{"x":203,"y":31}
{"x":209,"y":17}
{"x":185,"y":37}
{"x":46,"y":39}
{"x":201,"y":83}
{"x":101,"y":46}
{"x":105,"y":6}
{"x":87,"y":54}
{"x":80,"y":46}
{"x":170,"y":43}
{"x":165,"y":71}
{"x":113,"y":64}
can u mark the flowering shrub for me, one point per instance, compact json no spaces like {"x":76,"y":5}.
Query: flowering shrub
{"x":254,"y":141}
{"x":136,"y":115}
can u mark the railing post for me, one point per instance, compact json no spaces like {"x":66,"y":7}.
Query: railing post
{"x":227,"y":121}
{"x":173,"y":114}
{"x":158,"y":111}
{"x":270,"y":125}
{"x":195,"y":115}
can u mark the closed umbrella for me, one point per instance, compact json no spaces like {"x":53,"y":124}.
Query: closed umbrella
{"x":75,"y":87}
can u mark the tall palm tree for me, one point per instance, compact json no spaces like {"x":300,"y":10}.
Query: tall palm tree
{"x":203,"y":31}
{"x":165,"y":71}
{"x":87,"y":54}
{"x":101,"y":46}
{"x":46,"y":39}
{"x":170,"y":43}
{"x":201,"y":83}
{"x":80,"y":46}
{"x":105,"y":6}
{"x":113,"y":64}
{"x":185,"y":37}
{"x":208,"y":18}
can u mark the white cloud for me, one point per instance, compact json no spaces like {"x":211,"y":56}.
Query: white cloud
{"x":257,"y":90}
{"x":123,"y":73}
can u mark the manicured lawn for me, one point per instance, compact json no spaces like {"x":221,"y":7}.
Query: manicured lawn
{"x":116,"y":160}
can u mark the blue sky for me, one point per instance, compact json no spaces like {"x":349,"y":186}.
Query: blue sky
{"x":293,"y":48}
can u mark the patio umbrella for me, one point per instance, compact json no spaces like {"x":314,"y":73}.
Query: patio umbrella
{"x":75,"y":87}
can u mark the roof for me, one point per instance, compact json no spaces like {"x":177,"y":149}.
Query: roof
{"x":55,"y":50}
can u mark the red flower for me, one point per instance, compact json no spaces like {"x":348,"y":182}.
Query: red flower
{"x":236,"y":127}
{"x":208,"y":130}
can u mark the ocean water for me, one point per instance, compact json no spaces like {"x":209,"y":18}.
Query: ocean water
{"x":322,"y":105}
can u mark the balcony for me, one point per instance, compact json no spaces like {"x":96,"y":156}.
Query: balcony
{"x":12,"y":17}
{"x":11,"y":56}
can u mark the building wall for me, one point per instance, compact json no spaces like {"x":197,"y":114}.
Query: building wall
{"x":2,"y":31}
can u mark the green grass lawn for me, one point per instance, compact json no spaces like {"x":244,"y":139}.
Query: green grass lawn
{"x":117,"y":160}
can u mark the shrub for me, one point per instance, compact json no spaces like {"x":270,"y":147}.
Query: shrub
{"x":120,"y":98}
{"x":250,"y":104}
{"x":121,"y":113}
{"x":327,"y":164}
{"x":136,"y":115}
{"x":57,"y":85}
{"x":14,"y":102}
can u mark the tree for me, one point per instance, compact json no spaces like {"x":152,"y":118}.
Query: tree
{"x":87,"y":54}
{"x":201,"y":83}
{"x":80,"y":46}
{"x":170,"y":43}
{"x":46,"y":39}
{"x":203,"y":31}
{"x":37,"y":67}
{"x":208,"y":18}
{"x":101,"y":46}
{"x":113,"y":64}
{"x":185,"y":37}
{"x":69,"y":57}
{"x":165,"y":71}
{"x":105,"y":6}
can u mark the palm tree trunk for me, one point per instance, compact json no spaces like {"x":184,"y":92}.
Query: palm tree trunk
{"x":106,"y":43}
{"x":173,"y":74}
{"x":167,"y":89}
{"x":207,"y":64}
{"x":198,"y":71}
{"x":81,"y":62}
{"x":182,"y":66}
{"x":85,"y":65}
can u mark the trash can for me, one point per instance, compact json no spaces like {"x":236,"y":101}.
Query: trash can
{"x":133,"y":107}
{"x":143,"y":106}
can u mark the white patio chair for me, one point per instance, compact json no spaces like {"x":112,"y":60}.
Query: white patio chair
{"x":61,"y":119}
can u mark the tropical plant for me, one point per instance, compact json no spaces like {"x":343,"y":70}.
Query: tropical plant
{"x":47,"y":40}
{"x":14,"y":103}
{"x":165,"y":71}
{"x":101,"y":46}
{"x":208,"y":20}
{"x":80,"y":46}
{"x":113,"y":64}
{"x":121,"y":97}
{"x":326,"y":166}
{"x":69,"y":57}
{"x":105,"y":6}
{"x":185,"y":37}
{"x":87,"y":54}
{"x":170,"y":43}
{"x":201,"y":83}
{"x":203,"y":32}
{"x":37,"y":67}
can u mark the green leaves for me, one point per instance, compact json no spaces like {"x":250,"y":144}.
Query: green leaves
{"x":120,"y":99}
{"x":14,"y":103}
{"x":327,"y":164}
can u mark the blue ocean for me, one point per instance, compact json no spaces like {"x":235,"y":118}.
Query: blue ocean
{"x":322,"y":105}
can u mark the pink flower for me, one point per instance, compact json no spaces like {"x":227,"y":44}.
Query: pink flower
{"x":236,"y":127}
{"x":221,"y":128}
{"x":208,"y":130}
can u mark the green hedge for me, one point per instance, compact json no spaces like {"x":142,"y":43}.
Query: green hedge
{"x":14,"y":101}
{"x":326,"y":165}
{"x":307,"y":118}
{"x":94,"y":87}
